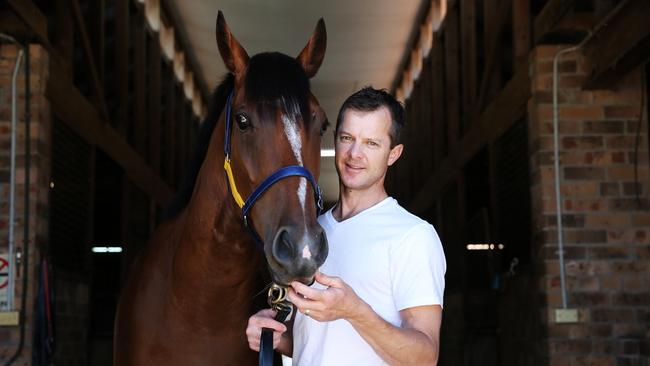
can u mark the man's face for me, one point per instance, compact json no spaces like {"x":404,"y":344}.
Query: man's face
{"x":363,"y":152}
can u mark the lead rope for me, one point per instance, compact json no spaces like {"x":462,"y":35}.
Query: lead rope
{"x":277,"y":299}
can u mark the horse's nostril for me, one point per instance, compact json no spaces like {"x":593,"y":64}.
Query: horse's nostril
{"x":322,"y":250}
{"x":283,"y":250}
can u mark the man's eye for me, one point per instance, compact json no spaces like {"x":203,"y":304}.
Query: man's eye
{"x":243,"y":122}
{"x":373,"y":144}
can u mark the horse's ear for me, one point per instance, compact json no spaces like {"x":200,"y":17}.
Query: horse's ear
{"x":311,"y":57}
{"x":232,"y":53}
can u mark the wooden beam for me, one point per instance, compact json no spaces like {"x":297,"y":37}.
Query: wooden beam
{"x":619,"y":46}
{"x":468,"y":55}
{"x":32,"y":17}
{"x":497,"y":117}
{"x":155,"y":99}
{"x":97,"y":35}
{"x":521,"y":32}
{"x":122,"y":65}
{"x":452,"y":75}
{"x":139,"y":73}
{"x":88,"y":51}
{"x":492,"y":51}
{"x":550,"y":17}
{"x":438,"y":95}
{"x":170,"y":124}
{"x":75,"y":110}
{"x":63,"y":38}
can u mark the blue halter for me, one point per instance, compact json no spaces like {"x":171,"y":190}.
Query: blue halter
{"x":288,"y":171}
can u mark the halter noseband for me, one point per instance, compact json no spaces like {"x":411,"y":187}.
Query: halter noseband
{"x":288,"y":171}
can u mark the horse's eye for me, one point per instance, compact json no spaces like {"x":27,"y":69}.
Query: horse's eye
{"x":243,"y":122}
{"x":323,"y":127}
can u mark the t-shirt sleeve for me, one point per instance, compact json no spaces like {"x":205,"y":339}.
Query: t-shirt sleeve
{"x":417,"y":268}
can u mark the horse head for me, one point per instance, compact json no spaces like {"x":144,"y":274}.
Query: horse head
{"x":276,"y":122}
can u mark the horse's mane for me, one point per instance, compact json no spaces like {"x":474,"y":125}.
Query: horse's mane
{"x":271,"y":78}
{"x":217,"y":104}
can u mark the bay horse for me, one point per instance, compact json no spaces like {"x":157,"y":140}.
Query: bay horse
{"x":190,"y":293}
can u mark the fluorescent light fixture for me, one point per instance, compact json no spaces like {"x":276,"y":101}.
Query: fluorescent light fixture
{"x":107,"y":249}
{"x":326,"y":153}
{"x":485,"y":246}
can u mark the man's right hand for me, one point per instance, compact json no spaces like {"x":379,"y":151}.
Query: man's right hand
{"x":265,"y":319}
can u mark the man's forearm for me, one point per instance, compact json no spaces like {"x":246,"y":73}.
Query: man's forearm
{"x":395,"y":345}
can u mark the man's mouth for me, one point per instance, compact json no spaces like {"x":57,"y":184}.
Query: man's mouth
{"x":353,"y":167}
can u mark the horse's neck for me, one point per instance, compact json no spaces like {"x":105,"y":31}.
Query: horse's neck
{"x":213,"y":250}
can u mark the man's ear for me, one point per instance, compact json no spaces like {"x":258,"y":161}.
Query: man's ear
{"x":233,"y":54}
{"x":395,"y":153}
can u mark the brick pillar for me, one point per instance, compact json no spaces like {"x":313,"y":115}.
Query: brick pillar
{"x":38,"y":183}
{"x":606,"y":226}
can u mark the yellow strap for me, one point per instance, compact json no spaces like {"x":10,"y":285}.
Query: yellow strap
{"x":231,"y":181}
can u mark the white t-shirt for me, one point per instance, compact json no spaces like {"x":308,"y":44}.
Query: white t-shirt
{"x":392,"y":259}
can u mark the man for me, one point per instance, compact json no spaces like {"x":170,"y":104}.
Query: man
{"x":378,"y":297}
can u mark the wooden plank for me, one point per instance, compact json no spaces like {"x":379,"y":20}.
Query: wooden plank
{"x":155,"y":99}
{"x":139,"y":74}
{"x":75,"y":110}
{"x":521,"y":32}
{"x":620,"y":46}
{"x":468,"y":49}
{"x":452,"y":75}
{"x":497,"y":117}
{"x":122,"y":65}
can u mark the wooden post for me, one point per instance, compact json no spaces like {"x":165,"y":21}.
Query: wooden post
{"x":154,"y":103}
{"x":468,"y":35}
{"x":98,"y":36}
{"x":439,"y":103}
{"x":139,"y":70}
{"x":170,"y":123}
{"x":521,"y":32}
{"x":63,"y":37}
{"x":122,"y":64}
{"x":452,"y":76}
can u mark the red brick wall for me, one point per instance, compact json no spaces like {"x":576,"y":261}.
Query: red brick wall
{"x":606,"y":228}
{"x":38,"y":181}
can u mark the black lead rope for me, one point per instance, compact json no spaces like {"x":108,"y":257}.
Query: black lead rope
{"x":277,"y":299}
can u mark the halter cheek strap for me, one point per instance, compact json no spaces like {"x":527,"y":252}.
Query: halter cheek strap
{"x":288,"y":171}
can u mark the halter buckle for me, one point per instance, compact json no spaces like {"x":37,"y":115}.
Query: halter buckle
{"x":277,"y":296}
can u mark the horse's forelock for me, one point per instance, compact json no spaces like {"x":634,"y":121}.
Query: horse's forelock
{"x":275,"y":80}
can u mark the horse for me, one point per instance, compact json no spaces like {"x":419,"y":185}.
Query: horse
{"x":190,"y":293}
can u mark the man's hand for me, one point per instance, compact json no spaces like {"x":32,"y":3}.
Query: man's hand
{"x":337,"y":301}
{"x":264,"y":319}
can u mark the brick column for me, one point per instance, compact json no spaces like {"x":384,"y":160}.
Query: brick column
{"x":606,"y":224}
{"x":38,"y":183}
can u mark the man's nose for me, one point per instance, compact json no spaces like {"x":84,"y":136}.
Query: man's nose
{"x":356,"y":150}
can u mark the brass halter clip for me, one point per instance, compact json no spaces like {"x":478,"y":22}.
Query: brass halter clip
{"x":277,"y":298}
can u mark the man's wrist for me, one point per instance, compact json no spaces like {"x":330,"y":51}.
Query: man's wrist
{"x":362,"y":312}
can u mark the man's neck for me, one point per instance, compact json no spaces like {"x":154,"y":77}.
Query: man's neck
{"x":352,"y":202}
